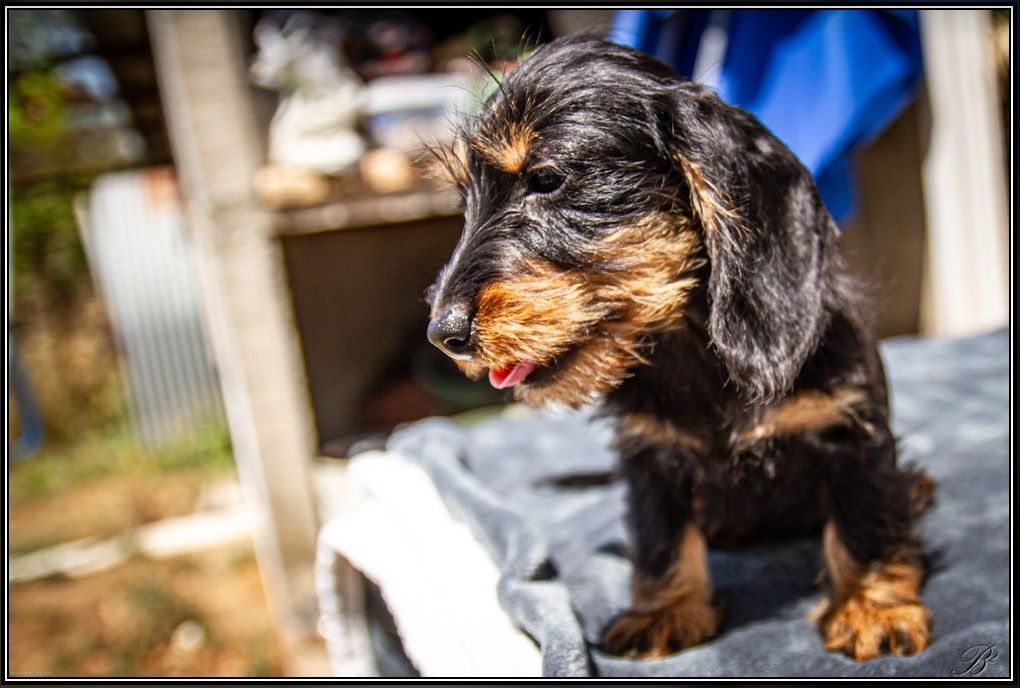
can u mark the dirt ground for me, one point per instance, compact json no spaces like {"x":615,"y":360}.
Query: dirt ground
{"x":199,"y":615}
{"x":100,"y":509}
{"x":203,"y":614}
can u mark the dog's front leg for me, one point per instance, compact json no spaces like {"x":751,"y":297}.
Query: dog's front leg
{"x":873,"y":558}
{"x":671,"y":593}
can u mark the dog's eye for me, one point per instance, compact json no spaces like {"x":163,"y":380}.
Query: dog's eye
{"x":545,"y":180}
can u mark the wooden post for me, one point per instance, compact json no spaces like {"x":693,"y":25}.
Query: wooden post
{"x":217,"y":147}
{"x":965,"y":188}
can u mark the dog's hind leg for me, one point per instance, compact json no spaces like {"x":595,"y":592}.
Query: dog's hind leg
{"x":671,"y":605}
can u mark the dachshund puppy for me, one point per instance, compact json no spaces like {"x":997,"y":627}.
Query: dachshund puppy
{"x":632,"y":241}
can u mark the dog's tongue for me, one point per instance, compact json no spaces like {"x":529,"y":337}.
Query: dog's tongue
{"x":510,"y":375}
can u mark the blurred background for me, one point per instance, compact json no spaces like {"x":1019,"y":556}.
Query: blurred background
{"x":221,"y":225}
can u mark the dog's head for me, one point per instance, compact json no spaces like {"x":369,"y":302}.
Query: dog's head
{"x":596,"y":186}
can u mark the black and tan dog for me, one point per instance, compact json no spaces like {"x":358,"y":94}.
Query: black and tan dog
{"x":632,"y":240}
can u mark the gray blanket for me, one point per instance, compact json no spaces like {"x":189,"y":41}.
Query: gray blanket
{"x":562,"y":551}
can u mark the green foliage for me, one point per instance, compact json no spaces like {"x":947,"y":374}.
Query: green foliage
{"x":42,"y":116}
{"x":208,"y":448}
{"x":37,"y":113}
{"x":114,"y":450}
{"x":55,"y":469}
{"x":48,"y":257}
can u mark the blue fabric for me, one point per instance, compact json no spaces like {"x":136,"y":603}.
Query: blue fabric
{"x":825,"y":82}
{"x":31,"y":438}
{"x":671,"y":36}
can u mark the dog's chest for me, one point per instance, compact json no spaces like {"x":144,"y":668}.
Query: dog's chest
{"x":775,"y":489}
{"x":745,"y":483}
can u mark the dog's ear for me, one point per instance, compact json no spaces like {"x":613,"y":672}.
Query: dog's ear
{"x":769,"y":239}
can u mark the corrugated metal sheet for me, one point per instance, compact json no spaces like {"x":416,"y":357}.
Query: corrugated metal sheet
{"x":137,"y":248}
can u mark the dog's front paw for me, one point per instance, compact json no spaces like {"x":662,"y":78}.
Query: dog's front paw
{"x":863,"y":627}
{"x":647,"y":634}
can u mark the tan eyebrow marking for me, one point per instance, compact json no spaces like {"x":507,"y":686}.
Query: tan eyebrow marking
{"x":506,"y":148}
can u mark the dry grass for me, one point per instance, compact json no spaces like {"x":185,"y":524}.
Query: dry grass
{"x":201,"y":615}
{"x":107,"y":483}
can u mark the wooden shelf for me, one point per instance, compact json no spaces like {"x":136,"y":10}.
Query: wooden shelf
{"x":366,"y":211}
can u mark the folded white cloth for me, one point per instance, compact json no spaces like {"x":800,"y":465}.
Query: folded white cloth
{"x":435,"y":577}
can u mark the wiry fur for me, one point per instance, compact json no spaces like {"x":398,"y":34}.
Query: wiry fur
{"x":802,"y":412}
{"x":659,"y":252}
{"x":599,"y":322}
{"x":670,"y":611}
{"x":506,"y":147}
{"x":873,"y":605}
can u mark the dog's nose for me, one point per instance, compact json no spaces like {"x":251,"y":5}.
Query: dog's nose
{"x":450,"y":330}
